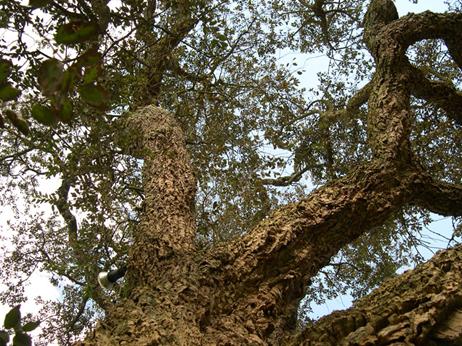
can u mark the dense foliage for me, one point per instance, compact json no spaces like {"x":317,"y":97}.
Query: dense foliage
{"x":259,"y":133}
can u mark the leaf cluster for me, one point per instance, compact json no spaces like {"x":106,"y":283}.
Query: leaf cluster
{"x":13,"y":322}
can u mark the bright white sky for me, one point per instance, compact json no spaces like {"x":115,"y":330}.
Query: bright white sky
{"x":40,"y":285}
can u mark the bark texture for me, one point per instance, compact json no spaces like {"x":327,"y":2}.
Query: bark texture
{"x":419,"y":307}
{"x":246,"y":292}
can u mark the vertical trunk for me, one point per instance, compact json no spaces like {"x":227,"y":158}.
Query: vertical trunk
{"x":163,"y":301}
{"x":167,"y":226}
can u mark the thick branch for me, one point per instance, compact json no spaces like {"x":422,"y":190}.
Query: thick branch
{"x":455,"y":49}
{"x":301,"y":237}
{"x":389,"y":115}
{"x":63,"y":207}
{"x":81,"y":257}
{"x":419,"y":307}
{"x":351,"y":108}
{"x":102,"y":12}
{"x":427,"y":25}
{"x":271,"y":266}
{"x":319,"y":12}
{"x":358,"y":99}
{"x":160,"y":50}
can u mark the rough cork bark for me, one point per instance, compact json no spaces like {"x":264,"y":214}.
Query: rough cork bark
{"x":246,"y":292}
{"x":419,"y":307}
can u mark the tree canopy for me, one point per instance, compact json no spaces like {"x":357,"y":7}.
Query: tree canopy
{"x":72,"y":72}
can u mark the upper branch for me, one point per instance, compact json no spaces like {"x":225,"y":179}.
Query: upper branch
{"x":427,"y":25}
{"x":286,"y":180}
{"x":168,"y":182}
{"x":439,"y":197}
{"x":455,"y":49}
{"x":159,"y":51}
{"x":441,"y":94}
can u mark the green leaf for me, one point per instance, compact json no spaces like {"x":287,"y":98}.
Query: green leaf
{"x":65,"y":112}
{"x":94,"y":95}
{"x":13,"y":318}
{"x":17,"y":121}
{"x":76,"y":32}
{"x":5,"y":70}
{"x":70,"y":76}
{"x":221,"y":37}
{"x":90,"y":57}
{"x":8,"y":93}
{"x":21,"y":339}
{"x":4,"y":20}
{"x":4,"y":338}
{"x":43,"y":114}
{"x":30,"y":326}
{"x":38,"y":3}
{"x":91,"y":74}
{"x":50,"y":76}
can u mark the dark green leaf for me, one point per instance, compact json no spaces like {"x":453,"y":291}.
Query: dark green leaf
{"x":76,"y":32}
{"x":13,"y":318}
{"x":21,"y":339}
{"x":69,"y":77}
{"x":17,"y":121}
{"x":8,"y":93}
{"x":221,"y":37}
{"x":43,"y":114}
{"x":38,"y":3}
{"x":90,"y":57}
{"x":91,"y":74}
{"x":4,"y":338}
{"x":30,"y":326}
{"x":65,"y":113}
{"x":94,"y":95}
{"x":4,"y":20}
{"x":5,"y":70}
{"x":50,"y":76}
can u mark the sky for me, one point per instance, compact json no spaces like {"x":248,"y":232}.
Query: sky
{"x":39,"y":281}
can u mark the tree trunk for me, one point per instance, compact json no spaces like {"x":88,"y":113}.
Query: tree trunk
{"x":246,"y":292}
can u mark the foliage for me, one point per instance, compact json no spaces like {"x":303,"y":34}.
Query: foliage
{"x":13,"y":322}
{"x":70,"y":70}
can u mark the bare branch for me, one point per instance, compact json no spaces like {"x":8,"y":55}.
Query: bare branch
{"x":441,"y":94}
{"x":284,"y":181}
{"x":439,"y":197}
{"x":455,"y":49}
